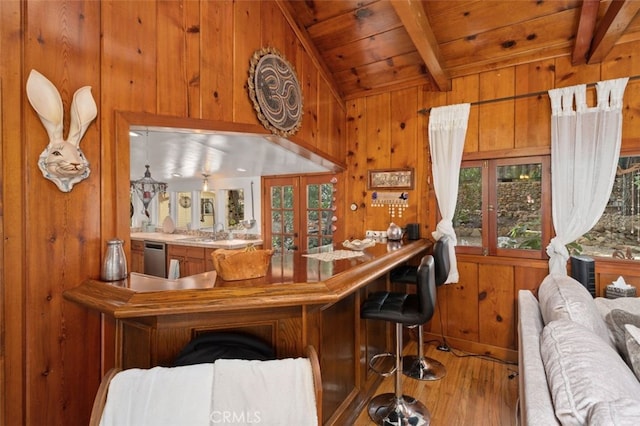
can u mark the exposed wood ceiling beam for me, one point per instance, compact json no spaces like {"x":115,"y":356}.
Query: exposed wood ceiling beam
{"x":612,"y":26}
{"x":414,"y":19}
{"x":586,"y":26}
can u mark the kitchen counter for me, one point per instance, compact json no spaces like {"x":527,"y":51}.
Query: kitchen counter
{"x":193,"y":240}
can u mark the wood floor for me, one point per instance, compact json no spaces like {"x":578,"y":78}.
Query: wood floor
{"x":475,"y":391}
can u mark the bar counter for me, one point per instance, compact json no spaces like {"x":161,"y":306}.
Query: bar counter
{"x":301,"y":301}
{"x":292,"y":279}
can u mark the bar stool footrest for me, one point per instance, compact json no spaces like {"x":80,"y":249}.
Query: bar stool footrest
{"x":376,"y":357}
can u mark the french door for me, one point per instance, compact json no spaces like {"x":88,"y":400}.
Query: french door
{"x":299,"y":212}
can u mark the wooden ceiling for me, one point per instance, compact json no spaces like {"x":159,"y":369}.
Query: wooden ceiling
{"x":371,"y":46}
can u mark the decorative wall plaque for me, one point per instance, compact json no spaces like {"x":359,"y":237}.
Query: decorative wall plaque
{"x":275,"y":92}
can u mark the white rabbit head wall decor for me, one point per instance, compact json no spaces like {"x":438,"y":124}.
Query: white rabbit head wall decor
{"x":62,"y":161}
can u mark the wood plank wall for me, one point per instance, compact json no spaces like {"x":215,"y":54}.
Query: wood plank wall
{"x":479,"y":312}
{"x":175,"y":58}
{"x":190,"y":59}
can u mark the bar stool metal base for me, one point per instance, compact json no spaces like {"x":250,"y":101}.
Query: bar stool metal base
{"x":387,"y":410}
{"x":422,"y":368}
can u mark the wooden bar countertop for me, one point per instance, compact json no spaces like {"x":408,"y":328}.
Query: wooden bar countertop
{"x":293,"y":279}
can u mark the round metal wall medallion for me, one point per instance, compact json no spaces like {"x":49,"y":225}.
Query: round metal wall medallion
{"x":275,"y":92}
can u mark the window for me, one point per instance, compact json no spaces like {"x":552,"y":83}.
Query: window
{"x":502,"y":207}
{"x":617,"y":233}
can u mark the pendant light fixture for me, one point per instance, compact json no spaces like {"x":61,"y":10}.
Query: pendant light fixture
{"x":147,"y":187}
{"x":205,"y":182}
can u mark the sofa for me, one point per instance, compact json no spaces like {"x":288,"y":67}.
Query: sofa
{"x":579,"y":357}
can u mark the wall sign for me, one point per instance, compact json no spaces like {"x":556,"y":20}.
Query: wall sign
{"x":275,"y":92}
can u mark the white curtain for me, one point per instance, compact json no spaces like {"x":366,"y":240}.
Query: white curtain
{"x":585,"y":145}
{"x":447,"y":130}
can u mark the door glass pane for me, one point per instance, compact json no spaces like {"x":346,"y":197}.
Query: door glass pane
{"x":467,"y":220}
{"x":313,"y":197}
{"x":319,"y":213}
{"x":518,"y":194}
{"x":287,"y":197}
{"x":282,"y":216}
{"x":288,"y":222}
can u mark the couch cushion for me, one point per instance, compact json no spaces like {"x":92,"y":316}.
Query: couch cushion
{"x":622,"y":412}
{"x":632,"y":338}
{"x":583,"y":370}
{"x":616,"y":320}
{"x":562,"y":297}
{"x":629,"y":304}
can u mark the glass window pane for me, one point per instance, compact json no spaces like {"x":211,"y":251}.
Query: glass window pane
{"x":518,"y":195}
{"x":327,"y":195}
{"x":313,"y":196}
{"x":312,"y":242}
{"x":276,"y":197}
{"x":467,"y":220}
{"x":617,"y":233}
{"x":288,"y":197}
{"x":288,"y":222}
{"x":276,"y":222}
{"x":312,"y":222}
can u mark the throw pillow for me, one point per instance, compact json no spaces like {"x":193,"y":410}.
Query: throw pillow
{"x":622,"y":412}
{"x":632,"y":337}
{"x":562,"y":297}
{"x":616,"y":320}
{"x":582,"y":371}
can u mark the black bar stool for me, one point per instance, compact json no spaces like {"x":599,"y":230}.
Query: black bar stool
{"x":409,"y":310}
{"x":421,"y":367}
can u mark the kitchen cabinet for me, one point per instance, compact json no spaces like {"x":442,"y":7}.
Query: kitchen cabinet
{"x":137,"y":256}
{"x":190,"y":259}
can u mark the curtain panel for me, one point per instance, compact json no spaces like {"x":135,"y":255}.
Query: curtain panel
{"x":585,"y":146}
{"x":447,"y":131}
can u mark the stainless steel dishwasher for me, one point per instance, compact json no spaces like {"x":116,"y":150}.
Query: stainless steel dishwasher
{"x":155,"y":259}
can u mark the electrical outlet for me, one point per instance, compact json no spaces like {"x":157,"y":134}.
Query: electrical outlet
{"x":371,"y":234}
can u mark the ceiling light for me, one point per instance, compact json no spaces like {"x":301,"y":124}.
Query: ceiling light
{"x":147,"y":187}
{"x":205,"y":182}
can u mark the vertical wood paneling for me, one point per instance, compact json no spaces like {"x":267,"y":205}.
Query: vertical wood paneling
{"x":247,"y":35}
{"x":325,"y":116}
{"x":216,"y":29}
{"x":496,"y":119}
{"x":378,"y":152}
{"x":624,"y":61}
{"x":308,"y":77}
{"x":529,"y":277}
{"x":337,"y":132}
{"x":172,"y":66}
{"x":466,"y":90}
{"x":356,"y":188}
{"x":13,"y":105}
{"x":65,"y":247}
{"x":532,"y":114}
{"x":496,"y":308}
{"x":462,"y":304}
{"x":406,"y":147}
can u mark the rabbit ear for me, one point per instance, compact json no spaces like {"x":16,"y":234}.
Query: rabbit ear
{"x":46,"y":101}
{"x":83,"y":111}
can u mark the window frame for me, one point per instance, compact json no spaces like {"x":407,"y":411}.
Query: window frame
{"x":489,"y":213}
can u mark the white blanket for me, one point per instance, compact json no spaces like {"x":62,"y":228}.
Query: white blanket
{"x":178,"y":396}
{"x":265,"y":393}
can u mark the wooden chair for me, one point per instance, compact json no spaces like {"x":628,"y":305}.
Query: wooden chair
{"x":101,"y":396}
